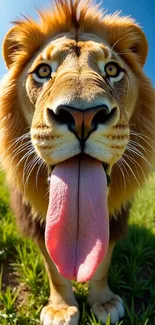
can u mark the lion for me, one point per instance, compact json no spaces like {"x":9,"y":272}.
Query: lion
{"x":77,"y":116}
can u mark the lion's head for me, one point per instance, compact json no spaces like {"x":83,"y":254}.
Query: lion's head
{"x":76,"y":86}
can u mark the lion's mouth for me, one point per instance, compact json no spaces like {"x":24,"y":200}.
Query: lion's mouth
{"x":77,"y":221}
{"x":105,"y":166}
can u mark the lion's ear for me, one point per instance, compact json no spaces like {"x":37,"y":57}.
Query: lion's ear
{"x":10,"y":46}
{"x":139,"y":44}
{"x":126,"y":37}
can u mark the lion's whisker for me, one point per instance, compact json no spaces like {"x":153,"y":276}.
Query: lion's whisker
{"x":141,"y":136}
{"x":15,"y":142}
{"x":120,"y":165}
{"x":136,"y":164}
{"x":27,"y":168}
{"x":136,"y":144}
{"x":20,"y":149}
{"x":32,"y":166}
{"x":42,"y":164}
{"x":139,"y":154}
{"x":27,"y":154}
{"x":123,"y":165}
{"x":125,"y":162}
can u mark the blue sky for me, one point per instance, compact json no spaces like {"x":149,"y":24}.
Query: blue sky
{"x":142,"y":10}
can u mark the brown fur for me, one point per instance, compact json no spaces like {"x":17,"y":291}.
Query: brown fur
{"x":29,"y":226}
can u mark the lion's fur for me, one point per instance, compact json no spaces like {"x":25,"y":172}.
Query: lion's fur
{"x":22,"y":43}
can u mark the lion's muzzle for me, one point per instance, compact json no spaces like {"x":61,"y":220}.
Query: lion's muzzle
{"x":82,"y":122}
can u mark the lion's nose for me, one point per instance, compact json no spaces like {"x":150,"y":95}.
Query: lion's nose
{"x":81,"y":122}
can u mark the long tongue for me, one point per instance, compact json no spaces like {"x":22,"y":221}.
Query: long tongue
{"x":77,"y":224}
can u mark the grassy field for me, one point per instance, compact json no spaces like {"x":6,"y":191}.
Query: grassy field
{"x":24,"y":285}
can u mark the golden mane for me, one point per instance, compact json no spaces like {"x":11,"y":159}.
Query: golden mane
{"x":23,"y":41}
{"x":28,"y":36}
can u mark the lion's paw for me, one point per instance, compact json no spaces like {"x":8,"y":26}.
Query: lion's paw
{"x":68,"y":315}
{"x":114,"y":307}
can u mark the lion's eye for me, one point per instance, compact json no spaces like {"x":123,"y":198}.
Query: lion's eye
{"x":42,"y":73}
{"x":112,"y":70}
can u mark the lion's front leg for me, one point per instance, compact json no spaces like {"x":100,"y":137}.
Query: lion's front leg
{"x":101,"y":299}
{"x":62,"y":308}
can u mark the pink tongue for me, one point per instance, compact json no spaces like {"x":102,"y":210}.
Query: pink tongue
{"x":77,"y":224}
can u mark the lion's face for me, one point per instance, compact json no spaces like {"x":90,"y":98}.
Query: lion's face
{"x":80,"y":94}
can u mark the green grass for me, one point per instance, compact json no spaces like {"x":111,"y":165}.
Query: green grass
{"x":24,"y":284}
